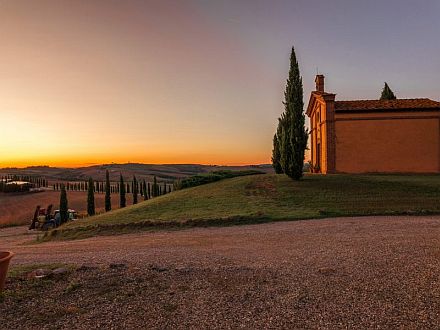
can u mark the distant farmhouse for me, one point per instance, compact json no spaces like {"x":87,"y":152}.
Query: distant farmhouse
{"x":365,"y":136}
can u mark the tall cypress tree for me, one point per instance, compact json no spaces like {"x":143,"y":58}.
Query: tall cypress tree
{"x":145,"y":192}
{"x":63,"y":204}
{"x":91,"y":198}
{"x":108,"y":200}
{"x":135,"y":190}
{"x":293,"y":139}
{"x":387,"y":93}
{"x":122,"y":199}
{"x":155,"y":188}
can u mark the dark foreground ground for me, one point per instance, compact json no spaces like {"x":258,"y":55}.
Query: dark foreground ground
{"x":375,"y":272}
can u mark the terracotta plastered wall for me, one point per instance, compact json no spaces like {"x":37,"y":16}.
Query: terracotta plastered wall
{"x":401,"y":142}
{"x":322,"y":132}
{"x":318,"y":131}
{"x":330,"y":135}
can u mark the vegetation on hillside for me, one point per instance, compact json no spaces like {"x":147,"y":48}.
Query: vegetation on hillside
{"x":164,"y":172}
{"x":198,"y":180}
{"x":260,"y":198}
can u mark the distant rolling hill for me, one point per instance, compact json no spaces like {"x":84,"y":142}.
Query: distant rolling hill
{"x":165,"y":172}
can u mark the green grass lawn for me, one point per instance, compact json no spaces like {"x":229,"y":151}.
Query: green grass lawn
{"x":269,"y":197}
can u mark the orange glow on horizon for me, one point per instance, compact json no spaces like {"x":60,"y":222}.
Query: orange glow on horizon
{"x":69,"y":163}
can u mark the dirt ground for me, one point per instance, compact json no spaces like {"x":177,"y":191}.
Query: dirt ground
{"x":369,"y":272}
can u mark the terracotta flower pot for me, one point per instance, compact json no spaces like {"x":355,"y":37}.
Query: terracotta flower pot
{"x":5,"y":257}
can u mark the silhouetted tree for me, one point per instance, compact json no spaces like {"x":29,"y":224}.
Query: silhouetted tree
{"x":144,"y":188}
{"x":122,"y":198}
{"x":387,"y":93}
{"x":63,"y":204}
{"x":91,"y":198}
{"x":135,"y":190}
{"x":155,"y":188}
{"x":108,"y":199}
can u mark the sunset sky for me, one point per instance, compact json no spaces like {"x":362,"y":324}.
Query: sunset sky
{"x":182,"y":81}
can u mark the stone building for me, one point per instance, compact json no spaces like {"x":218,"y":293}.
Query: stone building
{"x":367,"y":136}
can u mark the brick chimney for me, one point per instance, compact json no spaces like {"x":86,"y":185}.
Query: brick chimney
{"x":319,"y":80}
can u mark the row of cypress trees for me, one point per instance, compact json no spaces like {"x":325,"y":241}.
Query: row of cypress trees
{"x":146,"y":190}
{"x":290,"y":139}
{"x":142,"y":188}
{"x":100,"y":187}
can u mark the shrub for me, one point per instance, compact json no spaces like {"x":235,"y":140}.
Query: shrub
{"x":200,"y":179}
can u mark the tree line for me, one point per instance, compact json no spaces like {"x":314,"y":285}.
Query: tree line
{"x":138,"y":188}
{"x":7,"y":183}
{"x":115,"y":187}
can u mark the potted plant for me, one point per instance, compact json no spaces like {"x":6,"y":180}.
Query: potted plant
{"x":5,"y":257}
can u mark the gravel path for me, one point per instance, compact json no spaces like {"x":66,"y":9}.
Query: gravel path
{"x":333,"y":273}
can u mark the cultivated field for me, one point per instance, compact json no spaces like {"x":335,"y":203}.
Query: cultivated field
{"x":269,"y":197}
{"x":18,"y":209}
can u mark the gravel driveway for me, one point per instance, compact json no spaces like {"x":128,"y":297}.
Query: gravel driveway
{"x":333,"y":273}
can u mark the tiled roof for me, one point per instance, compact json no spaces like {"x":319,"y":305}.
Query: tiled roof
{"x":407,"y":104}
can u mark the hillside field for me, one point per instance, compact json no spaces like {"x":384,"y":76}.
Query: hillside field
{"x":163,"y":172}
{"x":18,"y":209}
{"x":269,"y":197}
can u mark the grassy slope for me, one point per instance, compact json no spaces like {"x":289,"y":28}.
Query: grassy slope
{"x":272,"y":197}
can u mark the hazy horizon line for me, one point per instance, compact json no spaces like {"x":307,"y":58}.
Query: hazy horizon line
{"x":131,"y":163}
